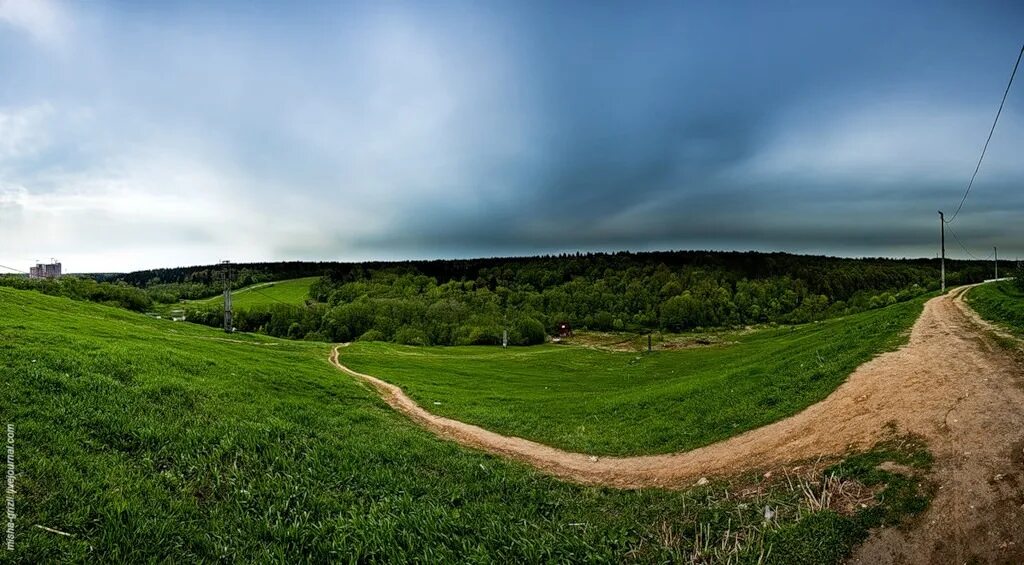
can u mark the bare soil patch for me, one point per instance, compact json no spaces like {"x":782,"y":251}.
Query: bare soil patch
{"x":620,"y":342}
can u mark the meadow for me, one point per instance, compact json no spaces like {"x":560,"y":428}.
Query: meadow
{"x":603,"y":402}
{"x":146,"y":440}
{"x":1001,"y":302}
{"x":292,"y":292}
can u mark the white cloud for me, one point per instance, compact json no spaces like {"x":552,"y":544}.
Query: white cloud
{"x":45,"y":20}
{"x":146,"y":209}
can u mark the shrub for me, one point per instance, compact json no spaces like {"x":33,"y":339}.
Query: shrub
{"x":1018,"y":278}
{"x":479,"y":335}
{"x":602,"y":321}
{"x":372,"y":335}
{"x":527,"y":331}
{"x":410,"y":336}
{"x":315,"y":336}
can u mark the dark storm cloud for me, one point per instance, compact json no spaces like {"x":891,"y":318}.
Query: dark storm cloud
{"x":657,"y":119}
{"x":650,"y":112}
{"x":391,"y":130}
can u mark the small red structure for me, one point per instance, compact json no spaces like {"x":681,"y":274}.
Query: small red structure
{"x":564,"y":329}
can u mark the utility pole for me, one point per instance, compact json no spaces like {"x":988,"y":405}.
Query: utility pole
{"x":504,"y":323}
{"x":942,"y":224}
{"x":995,"y":253}
{"x":227,"y":296}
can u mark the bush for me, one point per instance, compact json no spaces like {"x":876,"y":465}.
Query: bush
{"x":527,"y":331}
{"x":1018,"y":278}
{"x":602,"y":321}
{"x":410,"y":336}
{"x":479,"y":335}
{"x":372,"y":335}
{"x":679,"y":312}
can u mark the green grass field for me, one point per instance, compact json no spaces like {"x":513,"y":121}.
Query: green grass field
{"x":293,"y":291}
{"x":611,"y":403}
{"x":147,"y":440}
{"x":1000,"y":302}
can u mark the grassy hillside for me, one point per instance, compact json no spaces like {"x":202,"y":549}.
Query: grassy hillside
{"x":294,"y":292}
{"x":604,"y":402}
{"x":1001,"y":302}
{"x":146,"y":440}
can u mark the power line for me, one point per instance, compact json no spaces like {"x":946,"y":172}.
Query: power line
{"x":990,"y":132}
{"x":13,"y":269}
{"x":270,"y":297}
{"x":968,"y":251}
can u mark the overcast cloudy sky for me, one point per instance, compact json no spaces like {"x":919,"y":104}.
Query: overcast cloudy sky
{"x":143,"y":134}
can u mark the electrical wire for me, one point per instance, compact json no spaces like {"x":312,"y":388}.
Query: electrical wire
{"x":13,"y":269}
{"x":270,"y":297}
{"x":968,"y":251}
{"x":987,"y":140}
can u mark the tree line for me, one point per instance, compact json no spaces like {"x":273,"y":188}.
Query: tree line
{"x":819,"y":272}
{"x":119,"y":294}
{"x":475,"y":301}
{"x":469,"y":302}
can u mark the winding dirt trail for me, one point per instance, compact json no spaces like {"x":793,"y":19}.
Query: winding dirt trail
{"x":949,"y":384}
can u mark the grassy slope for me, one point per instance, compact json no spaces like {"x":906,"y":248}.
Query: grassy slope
{"x":999,"y":302}
{"x":602,"y":402}
{"x":150,"y":440}
{"x":293,"y":291}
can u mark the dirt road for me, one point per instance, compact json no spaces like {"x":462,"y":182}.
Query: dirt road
{"x":966,"y":397}
{"x":950,"y":384}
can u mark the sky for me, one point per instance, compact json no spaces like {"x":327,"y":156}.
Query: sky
{"x":146,"y":134}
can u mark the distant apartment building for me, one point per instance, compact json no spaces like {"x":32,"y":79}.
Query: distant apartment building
{"x":44,"y":270}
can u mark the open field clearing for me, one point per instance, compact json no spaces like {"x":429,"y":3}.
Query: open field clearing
{"x":143,"y":439}
{"x":602,"y":402}
{"x":294,"y":291}
{"x":660,"y":341}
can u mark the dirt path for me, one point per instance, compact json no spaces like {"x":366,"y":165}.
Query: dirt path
{"x":949,"y":384}
{"x":973,"y":419}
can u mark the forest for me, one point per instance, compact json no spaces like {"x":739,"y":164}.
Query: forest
{"x":474,"y":301}
{"x":468,"y":302}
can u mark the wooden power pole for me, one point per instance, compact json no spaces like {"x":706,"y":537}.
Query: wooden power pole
{"x":995,"y":254}
{"x":942,"y":239}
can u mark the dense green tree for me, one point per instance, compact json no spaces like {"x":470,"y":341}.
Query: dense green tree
{"x":475,"y":301}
